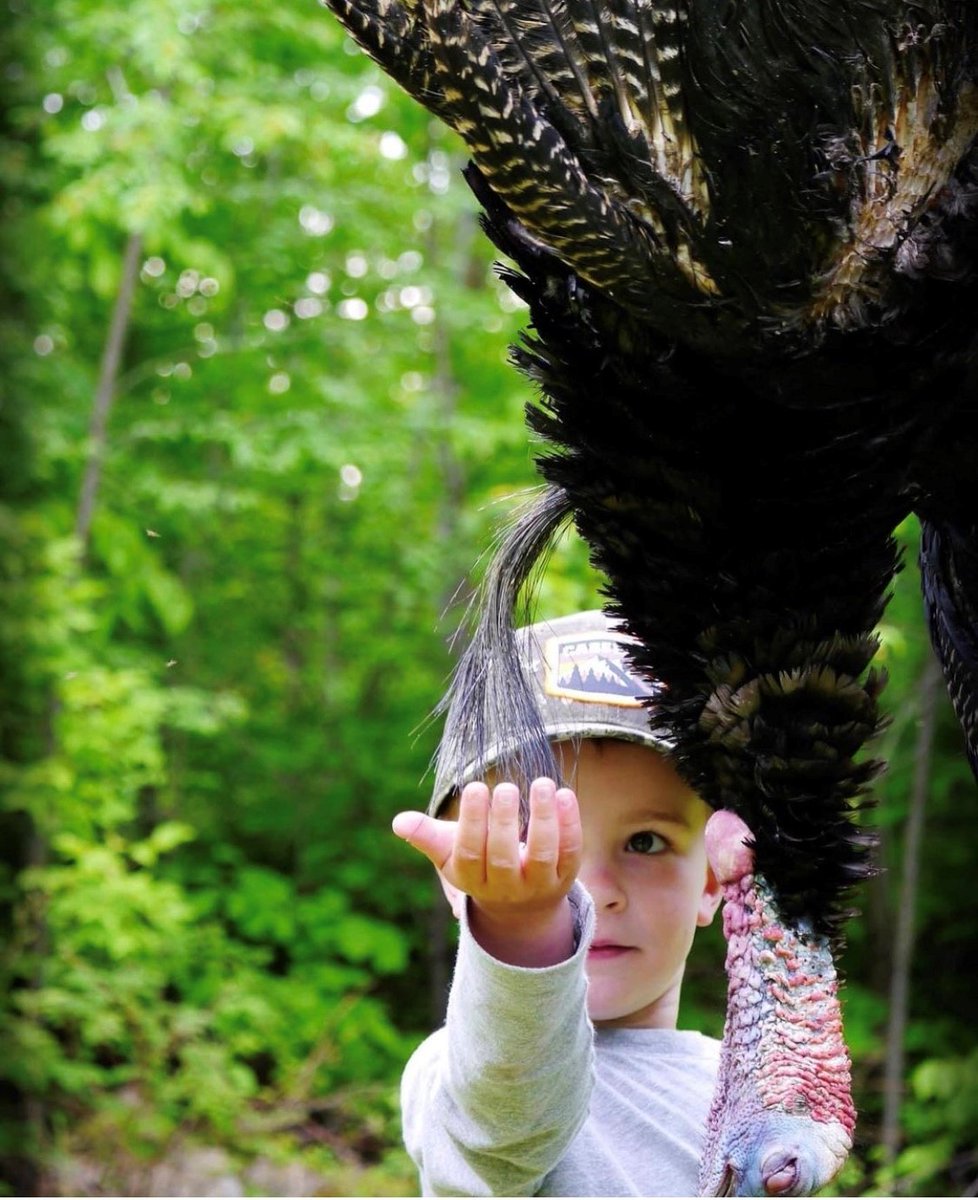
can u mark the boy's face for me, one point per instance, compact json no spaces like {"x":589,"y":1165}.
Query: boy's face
{"x":645,"y":865}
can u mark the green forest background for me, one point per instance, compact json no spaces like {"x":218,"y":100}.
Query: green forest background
{"x":256,"y":431}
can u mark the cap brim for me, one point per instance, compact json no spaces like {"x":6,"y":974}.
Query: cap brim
{"x":575,"y":732}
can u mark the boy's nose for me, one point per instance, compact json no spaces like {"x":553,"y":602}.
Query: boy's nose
{"x":603,"y":884}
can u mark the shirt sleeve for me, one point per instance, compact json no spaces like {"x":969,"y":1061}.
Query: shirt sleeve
{"x":492,"y":1100}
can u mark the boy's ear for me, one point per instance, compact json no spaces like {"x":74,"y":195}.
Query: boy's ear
{"x":710,"y":900}
{"x":454,"y":897}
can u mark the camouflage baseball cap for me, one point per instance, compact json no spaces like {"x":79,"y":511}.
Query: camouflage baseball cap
{"x":584,"y":687}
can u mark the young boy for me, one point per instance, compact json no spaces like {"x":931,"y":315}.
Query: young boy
{"x":559,"y":1070}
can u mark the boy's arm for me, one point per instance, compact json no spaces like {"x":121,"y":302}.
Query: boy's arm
{"x":491,"y":1102}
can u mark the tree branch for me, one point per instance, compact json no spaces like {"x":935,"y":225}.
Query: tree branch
{"x":105,"y":391}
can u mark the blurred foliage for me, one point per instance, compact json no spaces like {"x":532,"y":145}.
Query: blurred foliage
{"x":215,"y":697}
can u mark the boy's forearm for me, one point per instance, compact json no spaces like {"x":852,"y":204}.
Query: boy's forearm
{"x":538,"y":938}
{"x":501,"y":1091}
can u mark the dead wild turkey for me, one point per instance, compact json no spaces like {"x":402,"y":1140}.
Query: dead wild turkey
{"x":747,"y":233}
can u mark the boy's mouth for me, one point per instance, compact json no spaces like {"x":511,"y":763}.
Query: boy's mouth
{"x":608,"y":950}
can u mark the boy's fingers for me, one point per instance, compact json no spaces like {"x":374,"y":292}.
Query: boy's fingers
{"x":503,"y":842}
{"x":434,"y":839}
{"x":570,"y":838}
{"x":469,"y":852}
{"x":541,"y":835}
{"x":482,"y":848}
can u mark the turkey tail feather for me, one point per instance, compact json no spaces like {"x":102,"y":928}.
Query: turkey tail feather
{"x":489,"y":691}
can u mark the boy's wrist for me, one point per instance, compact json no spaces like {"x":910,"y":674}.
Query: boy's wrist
{"x":539,"y":937}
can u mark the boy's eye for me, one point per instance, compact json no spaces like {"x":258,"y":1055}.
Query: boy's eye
{"x":646,"y":842}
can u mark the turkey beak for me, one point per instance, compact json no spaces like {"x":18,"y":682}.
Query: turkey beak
{"x":728,"y":1184}
{"x":778,"y":1164}
{"x":780,"y":1176}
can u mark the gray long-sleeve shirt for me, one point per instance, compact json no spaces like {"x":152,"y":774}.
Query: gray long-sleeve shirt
{"x":518,"y":1094}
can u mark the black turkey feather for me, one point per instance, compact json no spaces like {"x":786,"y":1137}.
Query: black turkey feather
{"x":747,"y":234}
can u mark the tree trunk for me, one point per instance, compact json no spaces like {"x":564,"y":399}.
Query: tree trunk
{"x":105,"y":391}
{"x":445,"y":392}
{"x":903,"y":941}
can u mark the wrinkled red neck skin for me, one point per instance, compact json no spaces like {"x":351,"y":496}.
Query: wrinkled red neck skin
{"x":783,"y":1045}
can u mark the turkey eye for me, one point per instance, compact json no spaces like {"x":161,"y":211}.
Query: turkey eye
{"x":646,"y":842}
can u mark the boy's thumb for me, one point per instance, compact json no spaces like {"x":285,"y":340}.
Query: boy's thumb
{"x":407,"y":824}
{"x":433,"y":838}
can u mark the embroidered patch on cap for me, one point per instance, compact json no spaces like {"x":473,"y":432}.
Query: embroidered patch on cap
{"x":592,"y":667}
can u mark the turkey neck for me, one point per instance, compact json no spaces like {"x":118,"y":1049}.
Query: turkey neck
{"x":782,"y":1117}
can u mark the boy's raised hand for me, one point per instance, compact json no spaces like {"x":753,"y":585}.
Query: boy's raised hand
{"x":518,"y":912}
